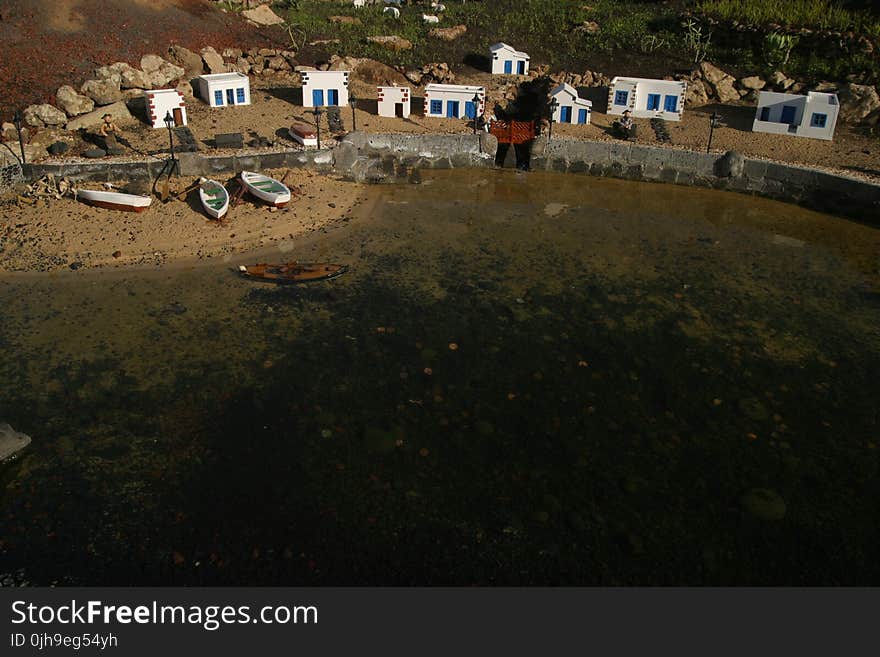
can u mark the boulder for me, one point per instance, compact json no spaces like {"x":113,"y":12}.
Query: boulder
{"x":859,"y":104}
{"x":167,"y":74}
{"x":73,"y":103}
{"x":213,"y":61}
{"x":11,"y":441}
{"x":232,"y":53}
{"x":696,"y":94}
{"x":43,"y":115}
{"x":394,"y":42}
{"x":262,"y":15}
{"x":730,"y":165}
{"x":277,"y":63}
{"x":241,"y":65}
{"x":780,"y":81}
{"x":133,"y":78}
{"x":448,"y":33}
{"x":721,"y":83}
{"x":191,"y":62}
{"x":150,"y":63}
{"x":119,"y":112}
{"x":752,"y":83}
{"x":103,"y":92}
{"x":368,"y":71}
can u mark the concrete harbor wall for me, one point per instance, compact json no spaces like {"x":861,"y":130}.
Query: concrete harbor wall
{"x":396,"y":157}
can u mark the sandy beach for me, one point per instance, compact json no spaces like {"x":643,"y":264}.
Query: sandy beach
{"x":51,"y":235}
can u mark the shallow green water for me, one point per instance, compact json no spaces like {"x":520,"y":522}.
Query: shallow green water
{"x":524,"y":379}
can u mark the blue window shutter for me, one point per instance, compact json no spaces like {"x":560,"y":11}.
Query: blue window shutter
{"x":436,"y":107}
{"x":818,"y":120}
{"x":218,"y":97}
{"x":653,"y":101}
{"x":470,"y":110}
{"x":239,"y":95}
{"x":565,"y":114}
{"x":318,"y":97}
{"x":582,"y":116}
{"x":521,"y":68}
{"x":508,"y":66}
{"x":620,"y":97}
{"x":671,"y":104}
{"x":230,"y":97}
{"x":452,"y":109}
{"x":332,"y":96}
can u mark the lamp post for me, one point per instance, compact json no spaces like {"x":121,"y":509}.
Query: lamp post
{"x":553,"y":105}
{"x":714,"y":122}
{"x":476,"y":101}
{"x":16,"y":120}
{"x":169,"y":123}
{"x":353,"y":100}
{"x":318,"y":112}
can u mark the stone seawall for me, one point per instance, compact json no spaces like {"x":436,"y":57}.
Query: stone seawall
{"x":393,"y":157}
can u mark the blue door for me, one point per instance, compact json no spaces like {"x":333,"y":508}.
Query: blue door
{"x":230,"y":96}
{"x":521,"y":68}
{"x":332,"y":96}
{"x":788,"y":112}
{"x":508,"y":66}
{"x":218,"y":98}
{"x":318,"y":97}
{"x":452,"y":109}
{"x":582,"y":116}
{"x":671,"y":104}
{"x":653,"y":101}
{"x":470,"y":110}
{"x":565,"y":114}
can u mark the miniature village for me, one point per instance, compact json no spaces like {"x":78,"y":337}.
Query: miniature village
{"x":494,"y":314}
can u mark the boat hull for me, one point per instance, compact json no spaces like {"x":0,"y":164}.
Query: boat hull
{"x":277,"y":194}
{"x":293,"y":273}
{"x":206,"y":198}
{"x":114,"y":200}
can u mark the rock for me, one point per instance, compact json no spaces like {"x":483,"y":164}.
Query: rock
{"x":43,"y":115}
{"x":151,"y":63}
{"x":730,"y":166}
{"x":11,"y":441}
{"x":587,"y":27}
{"x":696,"y":94}
{"x":278,"y":63}
{"x":763,"y":503}
{"x":167,"y":74}
{"x":858,"y":102}
{"x":94,"y":153}
{"x":59,"y":148}
{"x":103,"y":92}
{"x":394,"y":43}
{"x":213,"y":61}
{"x":118,"y":111}
{"x":241,"y":65}
{"x":133,"y":78}
{"x":262,"y":15}
{"x":719,"y":82}
{"x":753,"y":83}
{"x":344,"y":20}
{"x":780,"y":81}
{"x":369,"y":71}
{"x":9,"y":133}
{"x":448,"y":33}
{"x":231,"y":53}
{"x":191,"y":62}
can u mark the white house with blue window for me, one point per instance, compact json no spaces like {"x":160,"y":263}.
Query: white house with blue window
{"x":646,"y":98}
{"x":454,"y":101}
{"x":225,"y":89}
{"x":813,"y":115}
{"x":325,"y":88}
{"x":506,"y":60}
{"x":570,"y":108}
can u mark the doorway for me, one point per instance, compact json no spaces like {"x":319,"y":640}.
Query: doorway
{"x":178,"y":117}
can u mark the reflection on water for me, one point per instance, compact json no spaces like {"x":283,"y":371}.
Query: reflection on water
{"x":524,"y":379}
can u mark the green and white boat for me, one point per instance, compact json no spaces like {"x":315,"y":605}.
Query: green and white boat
{"x":265,"y":188}
{"x":214,"y":198}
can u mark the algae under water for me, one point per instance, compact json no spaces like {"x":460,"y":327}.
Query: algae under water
{"x":524,"y":379}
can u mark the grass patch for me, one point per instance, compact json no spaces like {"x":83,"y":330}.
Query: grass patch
{"x":815,"y":14}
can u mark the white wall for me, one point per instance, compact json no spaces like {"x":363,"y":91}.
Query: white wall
{"x":771,"y":105}
{"x":162,"y":101}
{"x":638,"y":93}
{"x":565,"y":99}
{"x":388,"y":97}
{"x":501,"y":56}
{"x":324,"y":82}
{"x":461,"y":96}
{"x":208,"y":89}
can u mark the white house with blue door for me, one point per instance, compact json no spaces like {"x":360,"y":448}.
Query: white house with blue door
{"x":570,"y":108}
{"x":454,"y":101}
{"x":224,"y":89}
{"x":506,"y":60}
{"x":813,"y":115}
{"x":646,"y":98}
{"x":325,"y":88}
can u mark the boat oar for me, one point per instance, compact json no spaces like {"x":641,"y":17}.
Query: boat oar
{"x":182,"y":196}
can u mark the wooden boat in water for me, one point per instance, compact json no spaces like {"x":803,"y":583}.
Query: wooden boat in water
{"x":303,"y":133}
{"x":265,"y":188}
{"x":293,"y":272}
{"x":214,"y":198}
{"x":114,"y":200}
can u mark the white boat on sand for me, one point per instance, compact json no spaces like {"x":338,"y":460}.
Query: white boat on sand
{"x":114,"y":200}
{"x":265,"y":188}
{"x":214,"y":198}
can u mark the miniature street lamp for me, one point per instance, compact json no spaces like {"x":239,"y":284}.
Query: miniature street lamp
{"x":353,"y":100}
{"x":169,"y":123}
{"x":714,"y":122}
{"x":16,"y":120}
{"x":318,"y":112}
{"x":553,"y":105}
{"x":476,"y":101}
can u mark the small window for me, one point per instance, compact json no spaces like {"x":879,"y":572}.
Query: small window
{"x":765,"y":113}
{"x":818,"y":120}
{"x":671,"y":104}
{"x":218,"y":97}
{"x":436,"y":107}
{"x":653,"y":101}
{"x":620,"y":97}
{"x":239,"y":95}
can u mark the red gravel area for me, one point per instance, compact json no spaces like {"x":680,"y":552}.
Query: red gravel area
{"x":48,"y":43}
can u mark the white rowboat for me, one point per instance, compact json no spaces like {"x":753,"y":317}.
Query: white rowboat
{"x":265,"y":188}
{"x":114,"y":200}
{"x":214,"y":198}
